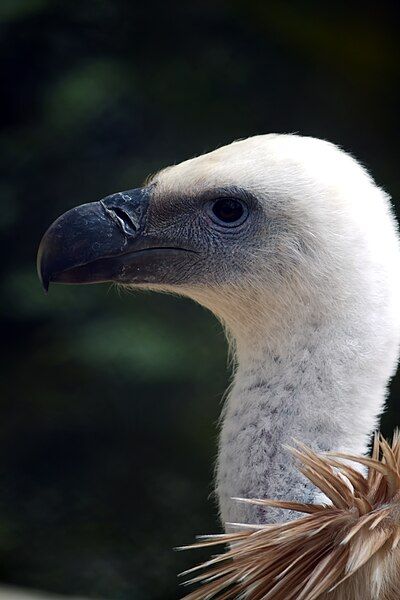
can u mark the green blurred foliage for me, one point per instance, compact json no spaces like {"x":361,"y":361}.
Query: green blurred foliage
{"x":109,"y":401}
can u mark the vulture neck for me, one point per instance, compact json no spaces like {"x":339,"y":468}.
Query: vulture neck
{"x":314,"y":379}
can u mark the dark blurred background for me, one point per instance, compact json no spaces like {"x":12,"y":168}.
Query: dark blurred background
{"x":109,"y":401}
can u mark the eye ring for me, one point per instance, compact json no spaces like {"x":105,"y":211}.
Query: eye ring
{"x":228,"y":212}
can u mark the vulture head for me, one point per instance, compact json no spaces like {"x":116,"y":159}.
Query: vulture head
{"x":259,"y":231}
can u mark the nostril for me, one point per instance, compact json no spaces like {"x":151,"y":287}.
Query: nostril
{"x":126,"y":221}
{"x":125,"y":218}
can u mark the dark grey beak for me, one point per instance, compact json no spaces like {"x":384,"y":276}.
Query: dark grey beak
{"x":91,"y":243}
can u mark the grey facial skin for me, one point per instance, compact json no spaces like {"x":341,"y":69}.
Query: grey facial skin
{"x":136,"y":237}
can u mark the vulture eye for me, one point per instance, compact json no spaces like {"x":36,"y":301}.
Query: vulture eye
{"x":228,"y":212}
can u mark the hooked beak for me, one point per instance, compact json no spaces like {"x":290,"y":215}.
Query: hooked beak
{"x":103,"y":241}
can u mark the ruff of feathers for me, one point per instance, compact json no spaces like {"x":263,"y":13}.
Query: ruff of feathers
{"x":349,"y":550}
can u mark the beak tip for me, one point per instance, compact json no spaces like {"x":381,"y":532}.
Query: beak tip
{"x":42,"y":272}
{"x":44,"y":280}
{"x":45,"y":286}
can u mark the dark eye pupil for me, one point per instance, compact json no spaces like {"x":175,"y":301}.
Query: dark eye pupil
{"x":228,"y":210}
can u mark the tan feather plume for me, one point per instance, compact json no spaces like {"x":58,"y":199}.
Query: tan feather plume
{"x":349,"y":550}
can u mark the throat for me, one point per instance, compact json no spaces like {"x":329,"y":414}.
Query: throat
{"x":314,"y":392}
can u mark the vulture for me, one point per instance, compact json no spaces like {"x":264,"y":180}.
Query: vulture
{"x":288,"y":240}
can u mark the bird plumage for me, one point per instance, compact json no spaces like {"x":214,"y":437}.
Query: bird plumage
{"x":346,"y":550}
{"x":305,"y":279}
